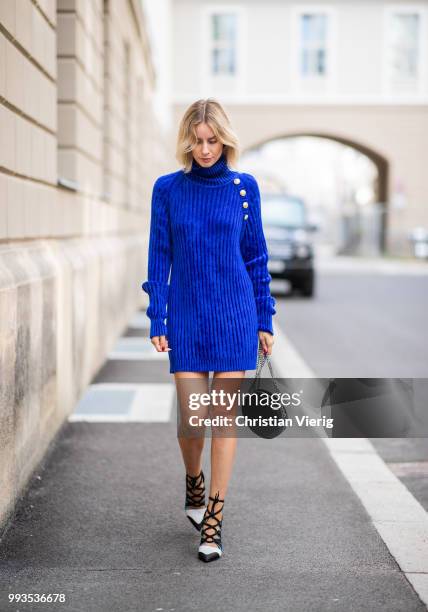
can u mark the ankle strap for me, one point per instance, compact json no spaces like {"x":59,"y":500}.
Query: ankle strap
{"x":206,"y":527}
{"x":195,"y":490}
{"x":216,"y":498}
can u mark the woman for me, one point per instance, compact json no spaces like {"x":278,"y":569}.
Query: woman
{"x":206,"y":227}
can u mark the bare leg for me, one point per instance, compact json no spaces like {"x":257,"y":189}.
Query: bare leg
{"x":191,"y":445}
{"x":223,"y":444}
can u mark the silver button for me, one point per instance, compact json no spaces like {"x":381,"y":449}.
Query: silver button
{"x":236,"y":181}
{"x":245,"y":204}
{"x":245,"y":217}
{"x":243,"y":192}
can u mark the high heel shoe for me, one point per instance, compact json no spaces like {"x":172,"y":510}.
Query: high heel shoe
{"x":207,"y":552}
{"x":194,"y":506}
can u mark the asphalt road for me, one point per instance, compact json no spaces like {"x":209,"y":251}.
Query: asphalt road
{"x":360,"y":325}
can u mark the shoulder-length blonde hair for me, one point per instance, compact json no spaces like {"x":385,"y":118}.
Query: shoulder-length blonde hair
{"x":211,"y":112}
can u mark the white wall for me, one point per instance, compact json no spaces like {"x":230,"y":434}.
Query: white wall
{"x":269,"y":51}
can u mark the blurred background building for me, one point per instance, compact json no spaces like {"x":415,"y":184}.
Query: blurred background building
{"x":330,"y":100}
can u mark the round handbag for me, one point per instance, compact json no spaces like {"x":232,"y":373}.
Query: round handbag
{"x":260,"y":410}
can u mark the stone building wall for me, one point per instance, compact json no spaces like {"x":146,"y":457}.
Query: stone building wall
{"x":80,"y":147}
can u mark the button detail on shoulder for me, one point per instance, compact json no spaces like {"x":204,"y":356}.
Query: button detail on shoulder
{"x":245,"y":204}
{"x":243,"y":192}
{"x":245,"y":217}
{"x":236,"y":181}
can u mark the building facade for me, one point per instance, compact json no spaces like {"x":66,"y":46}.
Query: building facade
{"x":80,"y":146}
{"x":352,"y":71}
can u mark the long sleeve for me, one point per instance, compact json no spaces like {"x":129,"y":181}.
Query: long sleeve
{"x":255,"y":255}
{"x":159,"y":260}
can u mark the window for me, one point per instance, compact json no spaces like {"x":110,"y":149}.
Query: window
{"x":313,"y":41}
{"x":223,"y":45}
{"x":223,"y":42}
{"x":405,"y":49}
{"x":404,"y":43}
{"x":313,"y":49}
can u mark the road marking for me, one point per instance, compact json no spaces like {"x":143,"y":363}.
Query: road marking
{"x":126,"y":403}
{"x":136,"y":348}
{"x":399,"y":518}
{"x":140,"y":320}
{"x":130,"y":356}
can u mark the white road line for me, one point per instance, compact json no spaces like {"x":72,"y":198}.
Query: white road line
{"x":141,"y":356}
{"x":153,"y":403}
{"x":135,"y":348}
{"x":140,"y":321}
{"x":147,"y":403}
{"x":399,"y":518}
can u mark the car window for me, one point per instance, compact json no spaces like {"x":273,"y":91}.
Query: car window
{"x":284,"y":212}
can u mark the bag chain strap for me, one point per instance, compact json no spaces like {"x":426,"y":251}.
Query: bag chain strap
{"x":261,"y":360}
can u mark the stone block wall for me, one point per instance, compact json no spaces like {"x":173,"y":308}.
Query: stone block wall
{"x":80,"y":146}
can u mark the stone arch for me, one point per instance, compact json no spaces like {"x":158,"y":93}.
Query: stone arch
{"x":379,"y":160}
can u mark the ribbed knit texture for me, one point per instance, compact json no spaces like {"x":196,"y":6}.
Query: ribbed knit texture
{"x":217,"y":297}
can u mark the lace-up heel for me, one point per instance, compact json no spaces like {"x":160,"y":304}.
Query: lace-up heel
{"x":194,"y":506}
{"x":206,"y":551}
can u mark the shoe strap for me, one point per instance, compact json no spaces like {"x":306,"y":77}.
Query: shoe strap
{"x":210,"y":513}
{"x":195,"y":490}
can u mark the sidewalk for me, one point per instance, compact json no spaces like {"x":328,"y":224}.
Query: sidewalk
{"x":327,"y":261}
{"x":103,"y":521}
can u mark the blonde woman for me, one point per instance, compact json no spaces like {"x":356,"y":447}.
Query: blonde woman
{"x":206,"y":229}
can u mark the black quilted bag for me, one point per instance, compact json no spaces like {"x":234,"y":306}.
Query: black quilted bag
{"x":262,"y":408}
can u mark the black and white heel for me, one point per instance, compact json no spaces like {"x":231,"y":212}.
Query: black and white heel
{"x":194,"y":506}
{"x":207,"y":552}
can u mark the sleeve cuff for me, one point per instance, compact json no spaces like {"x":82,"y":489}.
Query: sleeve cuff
{"x":265,"y":310}
{"x":158,"y":328}
{"x":157,"y":310}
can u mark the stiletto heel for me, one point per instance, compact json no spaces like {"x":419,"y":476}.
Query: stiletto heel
{"x":207,"y":552}
{"x":194,"y":506}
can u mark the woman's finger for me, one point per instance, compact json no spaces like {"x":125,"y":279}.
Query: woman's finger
{"x":155,"y":342}
{"x":164,"y":344}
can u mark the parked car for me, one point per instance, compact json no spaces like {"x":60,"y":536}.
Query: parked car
{"x":287,"y":236}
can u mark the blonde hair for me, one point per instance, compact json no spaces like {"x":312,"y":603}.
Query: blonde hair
{"x":211,"y":112}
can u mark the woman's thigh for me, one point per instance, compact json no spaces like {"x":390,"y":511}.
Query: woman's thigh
{"x":190,"y":386}
{"x":229,"y":383}
{"x":239,"y":374}
{"x":191,"y":375}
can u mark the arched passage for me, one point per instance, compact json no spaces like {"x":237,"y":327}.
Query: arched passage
{"x":381,"y":163}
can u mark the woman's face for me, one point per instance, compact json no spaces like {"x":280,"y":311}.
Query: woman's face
{"x":208,"y":148}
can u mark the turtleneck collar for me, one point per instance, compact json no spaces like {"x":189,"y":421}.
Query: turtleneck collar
{"x":217,"y":174}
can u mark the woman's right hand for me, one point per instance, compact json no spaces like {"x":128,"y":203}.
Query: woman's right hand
{"x":160,"y":343}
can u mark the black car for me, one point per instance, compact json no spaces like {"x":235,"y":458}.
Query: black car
{"x":287,"y":236}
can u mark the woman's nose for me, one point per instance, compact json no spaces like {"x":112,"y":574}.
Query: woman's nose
{"x":205,"y":148}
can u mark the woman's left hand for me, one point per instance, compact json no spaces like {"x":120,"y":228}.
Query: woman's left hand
{"x":266,"y":340}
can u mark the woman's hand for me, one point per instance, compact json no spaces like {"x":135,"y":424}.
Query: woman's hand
{"x":267,"y":341}
{"x":160,"y":343}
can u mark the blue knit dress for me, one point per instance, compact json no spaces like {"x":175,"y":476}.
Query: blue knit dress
{"x":207,"y":269}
